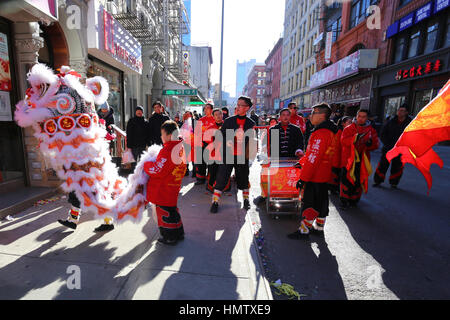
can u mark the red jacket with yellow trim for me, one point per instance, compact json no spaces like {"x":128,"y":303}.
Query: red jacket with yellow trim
{"x":318,"y":159}
{"x":363,"y":135}
{"x":166,"y":174}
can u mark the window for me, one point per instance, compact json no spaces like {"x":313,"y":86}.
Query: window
{"x":391,"y":105}
{"x":259,"y":74}
{"x":399,"y":49}
{"x":414,"y":43}
{"x":431,"y":36}
{"x":422,"y":98}
{"x":359,"y":11}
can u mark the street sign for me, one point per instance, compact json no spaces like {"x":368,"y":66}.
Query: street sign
{"x":179,"y":92}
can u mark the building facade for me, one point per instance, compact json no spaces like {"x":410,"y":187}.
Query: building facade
{"x":256,"y":86}
{"x":273,"y":78}
{"x":113,"y":39}
{"x":301,"y":28}
{"x":242,"y":71}
{"x":200,"y":60}
{"x":351,"y":46}
{"x":418,"y":57}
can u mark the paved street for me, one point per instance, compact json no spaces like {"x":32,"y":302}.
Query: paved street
{"x":217,"y":259}
{"x":394,"y":246}
{"x":401,"y":235}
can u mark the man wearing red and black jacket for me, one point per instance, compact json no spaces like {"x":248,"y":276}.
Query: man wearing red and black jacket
{"x":315,"y":173}
{"x":164,"y":185}
{"x":296,"y":120}
{"x":357,"y":140}
{"x":213,"y":156}
{"x":237,"y":152}
{"x":200,"y":144}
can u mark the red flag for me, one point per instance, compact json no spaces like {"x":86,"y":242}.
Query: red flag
{"x":430,"y":126}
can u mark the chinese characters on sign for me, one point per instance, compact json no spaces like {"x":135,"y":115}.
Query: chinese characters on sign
{"x":417,"y":71}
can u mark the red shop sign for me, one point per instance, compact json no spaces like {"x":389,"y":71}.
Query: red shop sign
{"x":420,"y":70}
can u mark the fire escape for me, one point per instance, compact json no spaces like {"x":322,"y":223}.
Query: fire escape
{"x":158,"y":24}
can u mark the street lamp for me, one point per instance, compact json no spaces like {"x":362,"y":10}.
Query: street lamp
{"x":221,"y":59}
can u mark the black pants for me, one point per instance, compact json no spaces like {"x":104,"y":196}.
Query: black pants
{"x":137,"y":152}
{"x":242,"y":172}
{"x":315,"y":197}
{"x":213,"y":169}
{"x":169,"y":222}
{"x":383,"y":166}
{"x":200,"y":164}
{"x":349,"y":192}
{"x":73,"y":200}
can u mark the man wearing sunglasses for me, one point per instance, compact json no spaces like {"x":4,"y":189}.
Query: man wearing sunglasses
{"x":295,"y":118}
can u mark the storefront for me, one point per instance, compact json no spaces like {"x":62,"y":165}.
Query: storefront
{"x":116,"y":55}
{"x":414,"y":82}
{"x":12,"y":164}
{"x":346,"y":84}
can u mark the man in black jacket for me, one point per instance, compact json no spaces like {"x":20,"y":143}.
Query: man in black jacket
{"x":290,"y":137}
{"x":154,"y":124}
{"x":137,"y":133}
{"x":290,"y":142}
{"x":390,"y":133}
{"x":237,"y":151}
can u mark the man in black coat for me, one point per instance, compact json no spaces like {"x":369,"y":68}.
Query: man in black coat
{"x":236,"y":153}
{"x":290,"y":138}
{"x":290,"y":142}
{"x":154,"y":124}
{"x":137,"y":133}
{"x":390,"y":133}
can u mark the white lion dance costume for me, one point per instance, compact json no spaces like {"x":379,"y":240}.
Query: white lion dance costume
{"x":62,"y":112}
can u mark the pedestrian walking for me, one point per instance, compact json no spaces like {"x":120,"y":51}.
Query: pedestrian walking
{"x":163,"y":188}
{"x":358,"y":140}
{"x":137,"y":133}
{"x":315,"y":173}
{"x":337,"y":165}
{"x":155,"y":122}
{"x":390,"y":133}
{"x":213,"y":146}
{"x":238,"y":150}
{"x":200,"y":144}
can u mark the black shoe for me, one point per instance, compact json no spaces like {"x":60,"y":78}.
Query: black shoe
{"x":199,"y":182}
{"x":297,"y":235}
{"x":214,"y":207}
{"x":104,"y":227}
{"x":259,"y":200}
{"x":170,"y":242}
{"x":376,"y":185}
{"x":246,"y":204}
{"x":316,"y":232}
{"x":68,"y":224}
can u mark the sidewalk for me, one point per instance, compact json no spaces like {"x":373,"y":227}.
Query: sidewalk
{"x":217,"y":260}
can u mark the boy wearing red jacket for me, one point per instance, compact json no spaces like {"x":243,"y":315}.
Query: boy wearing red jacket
{"x":164,"y":185}
{"x":316,"y":173}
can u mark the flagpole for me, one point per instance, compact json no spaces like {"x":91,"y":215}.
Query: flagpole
{"x":221,"y":59}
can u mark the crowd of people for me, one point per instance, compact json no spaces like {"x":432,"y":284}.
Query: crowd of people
{"x":333,"y":153}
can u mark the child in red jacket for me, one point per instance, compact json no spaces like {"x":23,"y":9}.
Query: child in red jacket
{"x":164,"y":185}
